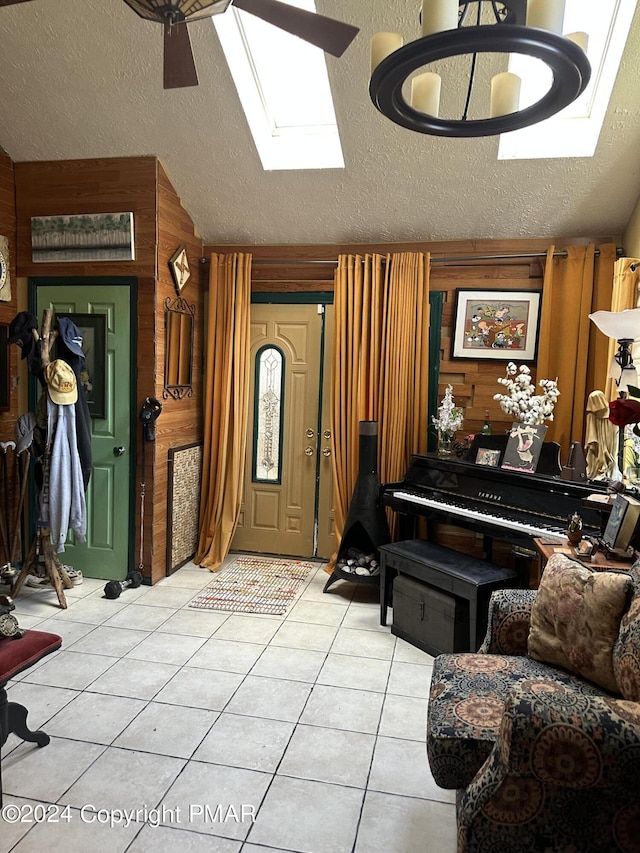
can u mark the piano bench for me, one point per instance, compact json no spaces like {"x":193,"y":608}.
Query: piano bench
{"x":469,"y":581}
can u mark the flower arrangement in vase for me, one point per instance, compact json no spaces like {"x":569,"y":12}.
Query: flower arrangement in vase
{"x":448,"y":420}
{"x":522,"y":403}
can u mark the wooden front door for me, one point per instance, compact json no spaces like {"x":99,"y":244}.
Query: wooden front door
{"x":279,"y":511}
{"x":327,"y":544}
{"x":107,"y":552}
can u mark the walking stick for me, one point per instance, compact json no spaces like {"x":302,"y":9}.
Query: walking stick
{"x":24,"y":471}
{"x":4,"y":516}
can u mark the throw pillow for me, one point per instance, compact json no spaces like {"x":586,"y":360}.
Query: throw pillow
{"x":575,"y":619}
{"x":626,"y":652}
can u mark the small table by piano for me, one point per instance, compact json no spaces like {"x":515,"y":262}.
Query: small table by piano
{"x":599,"y":560}
{"x":455,"y":573}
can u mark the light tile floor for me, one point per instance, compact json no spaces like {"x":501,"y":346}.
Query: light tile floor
{"x":177,"y":729}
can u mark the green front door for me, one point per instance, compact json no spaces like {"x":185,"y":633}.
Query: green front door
{"x":108,"y":551}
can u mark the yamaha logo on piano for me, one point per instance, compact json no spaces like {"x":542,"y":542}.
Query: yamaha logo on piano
{"x":489,"y":497}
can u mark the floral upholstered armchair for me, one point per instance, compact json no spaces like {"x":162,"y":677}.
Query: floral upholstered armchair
{"x":539,"y":731}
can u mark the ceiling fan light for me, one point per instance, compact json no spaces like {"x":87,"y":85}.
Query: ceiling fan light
{"x":176,"y":11}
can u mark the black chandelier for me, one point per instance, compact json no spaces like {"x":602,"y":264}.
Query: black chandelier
{"x":530,"y":27}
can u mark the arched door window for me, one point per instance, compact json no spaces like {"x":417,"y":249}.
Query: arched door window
{"x":268,"y":415}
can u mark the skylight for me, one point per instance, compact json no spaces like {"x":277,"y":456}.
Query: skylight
{"x":573,"y":132}
{"x":283,"y":86}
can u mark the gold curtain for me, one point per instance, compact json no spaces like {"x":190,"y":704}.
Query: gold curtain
{"x":380,"y":364}
{"x":226,"y":405}
{"x":625,"y":295}
{"x":573,"y":288}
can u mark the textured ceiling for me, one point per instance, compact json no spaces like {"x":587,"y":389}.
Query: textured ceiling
{"x":83,"y":78}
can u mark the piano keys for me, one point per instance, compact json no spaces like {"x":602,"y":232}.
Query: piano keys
{"x":494,"y":502}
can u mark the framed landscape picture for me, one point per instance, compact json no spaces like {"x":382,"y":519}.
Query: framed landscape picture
{"x":85,"y":237}
{"x":497,"y":325}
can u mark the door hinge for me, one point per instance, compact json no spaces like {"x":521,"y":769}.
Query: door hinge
{"x":320,"y":308}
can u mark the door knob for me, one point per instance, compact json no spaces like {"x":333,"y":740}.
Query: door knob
{"x":326,"y":451}
{"x":309,"y":451}
{"x":119,"y":451}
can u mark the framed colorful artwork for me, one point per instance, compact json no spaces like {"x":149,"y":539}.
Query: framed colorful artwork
{"x":497,"y":325}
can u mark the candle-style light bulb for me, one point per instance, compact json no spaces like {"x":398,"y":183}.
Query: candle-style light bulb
{"x":425,"y":93}
{"x":439,"y":15}
{"x":383,"y":44}
{"x":505,"y":94}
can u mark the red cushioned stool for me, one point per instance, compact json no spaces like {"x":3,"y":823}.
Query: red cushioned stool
{"x":17,"y":655}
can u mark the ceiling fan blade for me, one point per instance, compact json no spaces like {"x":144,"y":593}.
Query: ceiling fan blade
{"x":12,"y":2}
{"x":326,"y":33}
{"x":179,"y":66}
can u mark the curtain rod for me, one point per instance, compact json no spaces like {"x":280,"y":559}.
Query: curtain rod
{"x":328,"y":262}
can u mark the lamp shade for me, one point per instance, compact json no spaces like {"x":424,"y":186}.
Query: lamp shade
{"x":619,"y":325}
{"x":628,"y":376}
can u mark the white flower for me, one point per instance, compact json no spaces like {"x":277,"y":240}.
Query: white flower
{"x":449,"y":415}
{"x":521,"y":401}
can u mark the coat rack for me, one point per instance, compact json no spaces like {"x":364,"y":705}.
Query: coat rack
{"x":41,"y":544}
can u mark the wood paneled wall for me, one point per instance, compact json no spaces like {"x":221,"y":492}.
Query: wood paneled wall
{"x":474,"y":382}
{"x":181,"y":421}
{"x":64,"y":187}
{"x":140,"y":185}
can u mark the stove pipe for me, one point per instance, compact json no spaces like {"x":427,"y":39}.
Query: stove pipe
{"x":366,"y":526}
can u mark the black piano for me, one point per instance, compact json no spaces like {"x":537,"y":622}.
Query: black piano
{"x":497,"y":503}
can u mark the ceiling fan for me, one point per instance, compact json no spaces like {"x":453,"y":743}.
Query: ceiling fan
{"x":179,"y":66}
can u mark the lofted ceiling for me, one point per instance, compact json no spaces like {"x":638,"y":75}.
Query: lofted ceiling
{"x":83,"y":78}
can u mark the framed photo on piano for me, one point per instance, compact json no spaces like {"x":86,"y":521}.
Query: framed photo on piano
{"x":488,"y":456}
{"x":496,"y":325}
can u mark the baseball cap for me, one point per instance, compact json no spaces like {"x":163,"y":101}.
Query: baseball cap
{"x":70,"y":335}
{"x":21,"y":331}
{"x":61,"y":382}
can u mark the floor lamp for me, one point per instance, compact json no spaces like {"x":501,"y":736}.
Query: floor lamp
{"x":623,"y":327}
